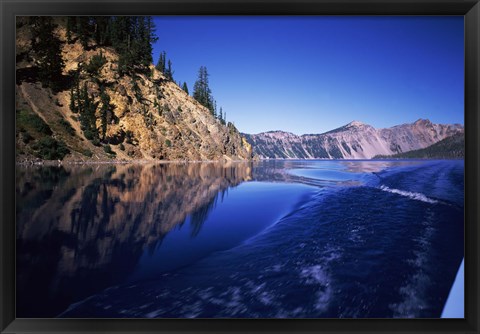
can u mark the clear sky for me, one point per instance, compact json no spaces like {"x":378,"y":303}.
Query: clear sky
{"x":312,"y":74}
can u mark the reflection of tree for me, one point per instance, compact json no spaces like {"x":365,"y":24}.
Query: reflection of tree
{"x":91,"y":224}
{"x":200,"y":215}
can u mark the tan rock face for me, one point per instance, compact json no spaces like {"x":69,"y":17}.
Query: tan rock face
{"x":153,"y":118}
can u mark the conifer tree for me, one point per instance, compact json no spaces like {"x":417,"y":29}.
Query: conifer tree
{"x":147,"y":37}
{"x":130,"y":36}
{"x":161,"y":62}
{"x":221,"y":116}
{"x":83,"y":30}
{"x":201,"y":90}
{"x":101,"y":32}
{"x":104,"y":112}
{"x":71,"y":27}
{"x":184,"y":87}
{"x":169,"y":72}
{"x":87,"y":108}
{"x":47,"y":47}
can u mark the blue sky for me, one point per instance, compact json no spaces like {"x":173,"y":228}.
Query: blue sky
{"x":312,"y":74}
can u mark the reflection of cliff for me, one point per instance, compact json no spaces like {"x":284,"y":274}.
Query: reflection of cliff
{"x":92,"y":224}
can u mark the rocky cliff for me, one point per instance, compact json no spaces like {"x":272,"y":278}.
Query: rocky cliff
{"x":141,"y":116}
{"x":355,"y":140}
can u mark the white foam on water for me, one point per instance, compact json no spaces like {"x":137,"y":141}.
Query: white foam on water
{"x":314,"y":275}
{"x":416,"y":196}
{"x":414,"y":290}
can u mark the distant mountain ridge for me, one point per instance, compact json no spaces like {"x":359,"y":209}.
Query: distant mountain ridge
{"x":449,"y":148}
{"x":355,"y":140}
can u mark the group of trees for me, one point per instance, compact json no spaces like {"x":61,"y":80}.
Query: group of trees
{"x":47,"y":48}
{"x":165,"y":66}
{"x":201,"y":89}
{"x":130,"y":36}
{"x":203,"y":94}
{"x":83,"y":104}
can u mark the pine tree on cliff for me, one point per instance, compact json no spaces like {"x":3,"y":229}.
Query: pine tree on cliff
{"x":221,"y":116}
{"x":71,"y":27}
{"x":101,"y":32}
{"x":104,"y":112}
{"x":169,"y":71}
{"x":201,"y":90}
{"x":47,"y":47}
{"x":161,"y":62}
{"x":83,"y":30}
{"x":147,"y":37}
{"x":87,"y":108}
{"x":132,"y":38}
{"x":184,"y":87}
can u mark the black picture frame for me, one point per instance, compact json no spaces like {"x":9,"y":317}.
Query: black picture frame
{"x":9,"y":9}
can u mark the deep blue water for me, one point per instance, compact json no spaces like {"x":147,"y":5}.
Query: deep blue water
{"x":273,"y":239}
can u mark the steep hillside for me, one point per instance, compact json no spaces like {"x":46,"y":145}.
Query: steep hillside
{"x":355,"y":140}
{"x":99,"y":113}
{"x":449,"y":148}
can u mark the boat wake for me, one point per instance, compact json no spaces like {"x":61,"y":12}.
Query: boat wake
{"x":413,"y":195}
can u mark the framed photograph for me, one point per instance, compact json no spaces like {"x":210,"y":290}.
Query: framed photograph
{"x":254,"y":167}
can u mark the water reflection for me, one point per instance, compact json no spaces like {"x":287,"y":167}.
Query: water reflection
{"x":81,"y":229}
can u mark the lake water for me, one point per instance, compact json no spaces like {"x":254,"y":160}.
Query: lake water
{"x":269,"y":239}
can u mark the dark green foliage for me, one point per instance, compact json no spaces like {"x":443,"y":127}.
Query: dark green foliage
{"x":26,"y":137}
{"x":96,"y":64}
{"x":122,"y":147}
{"x":102,"y":32}
{"x":232,"y":129}
{"x":34,"y":129}
{"x":31,"y":121}
{"x":108,"y":149}
{"x":71,"y":27}
{"x":129,"y":137}
{"x":96,"y":141}
{"x":201,"y":90}
{"x":84,"y":104}
{"x":50,"y":149}
{"x":222,"y":117}
{"x":106,"y":112}
{"x":67,"y":126}
{"x":161,"y":64}
{"x":130,"y":36}
{"x":169,"y":71}
{"x":47,"y":48}
{"x":184,"y":87}
{"x":136,"y":89}
{"x":149,"y":120}
{"x":83,"y":29}
{"x":168,"y":143}
{"x":87,"y":153}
